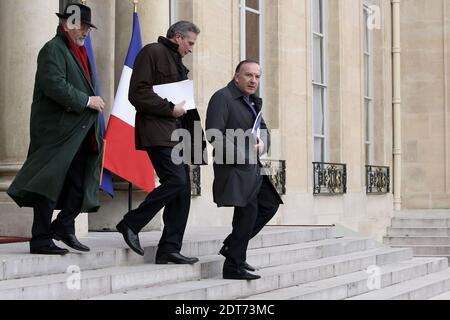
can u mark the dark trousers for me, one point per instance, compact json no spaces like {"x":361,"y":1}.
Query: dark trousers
{"x":70,"y":200}
{"x":248,"y":222}
{"x":174,"y":195}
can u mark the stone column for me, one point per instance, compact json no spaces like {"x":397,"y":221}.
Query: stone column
{"x":103,"y":43}
{"x":212,"y":67}
{"x":27,"y":26}
{"x":295,"y":109}
{"x":154,"y":17}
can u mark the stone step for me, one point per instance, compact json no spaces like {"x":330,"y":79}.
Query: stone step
{"x":272,"y":278}
{"x":417,"y":289}
{"x":443,"y":296}
{"x":209,"y":266}
{"x":419,"y":223}
{"x":423,"y":240}
{"x":434,"y":256}
{"x":86,"y":284}
{"x":413,"y":232}
{"x":424,"y":214}
{"x":434,"y":250}
{"x":296,"y":253}
{"x":110,"y":250}
{"x":357,"y":283}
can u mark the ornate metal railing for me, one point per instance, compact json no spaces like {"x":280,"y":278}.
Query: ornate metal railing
{"x":330,"y":178}
{"x":195,"y":175}
{"x":378,"y":180}
{"x":276,"y":171}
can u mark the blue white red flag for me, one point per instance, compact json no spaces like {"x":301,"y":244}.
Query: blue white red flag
{"x":121,"y":156}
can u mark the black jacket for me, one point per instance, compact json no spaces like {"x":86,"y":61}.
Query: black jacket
{"x":235,"y":184}
{"x":158,"y":63}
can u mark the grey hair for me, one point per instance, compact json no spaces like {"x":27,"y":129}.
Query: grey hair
{"x":183,"y":28}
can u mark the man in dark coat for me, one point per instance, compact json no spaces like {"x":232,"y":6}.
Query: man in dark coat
{"x":62,"y":170}
{"x":238,"y":181}
{"x":156,"y":120}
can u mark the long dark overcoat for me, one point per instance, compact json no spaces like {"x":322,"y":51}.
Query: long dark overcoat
{"x":60,"y":121}
{"x":236,"y":184}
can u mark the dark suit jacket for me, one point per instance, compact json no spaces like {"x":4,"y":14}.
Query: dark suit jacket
{"x":234,"y":184}
{"x":158,"y":63}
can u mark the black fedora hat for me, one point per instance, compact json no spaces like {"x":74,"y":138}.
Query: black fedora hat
{"x":85,"y":13}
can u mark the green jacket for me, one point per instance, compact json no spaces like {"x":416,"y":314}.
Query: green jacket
{"x":60,"y":120}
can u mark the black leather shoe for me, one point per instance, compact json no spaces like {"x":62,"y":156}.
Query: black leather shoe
{"x":245,"y":265}
{"x":239,"y":274}
{"x":71,"y":241}
{"x":176,"y":258}
{"x":131,"y":238}
{"x":50,"y":249}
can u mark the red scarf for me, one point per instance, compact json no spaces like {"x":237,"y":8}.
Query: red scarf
{"x":81,"y":55}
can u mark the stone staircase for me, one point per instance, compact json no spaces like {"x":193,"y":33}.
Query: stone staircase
{"x":427,"y":232}
{"x":294,"y":262}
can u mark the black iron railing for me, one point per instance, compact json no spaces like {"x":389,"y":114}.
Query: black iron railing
{"x":378,"y":180}
{"x":276,"y":171}
{"x":330,"y":178}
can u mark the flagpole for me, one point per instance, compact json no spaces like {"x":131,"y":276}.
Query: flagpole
{"x":130,"y":185}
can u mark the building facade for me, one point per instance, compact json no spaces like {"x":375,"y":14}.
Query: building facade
{"x":350,"y":87}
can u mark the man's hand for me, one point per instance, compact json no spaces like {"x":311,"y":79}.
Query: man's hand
{"x":179,"y":110}
{"x":260,"y":147}
{"x":96,"y":103}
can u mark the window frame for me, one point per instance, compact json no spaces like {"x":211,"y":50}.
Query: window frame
{"x":243,"y":9}
{"x":323,"y":85}
{"x":368,"y":85}
{"x":173,"y":12}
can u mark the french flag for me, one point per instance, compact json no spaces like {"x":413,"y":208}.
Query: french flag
{"x":121,"y":156}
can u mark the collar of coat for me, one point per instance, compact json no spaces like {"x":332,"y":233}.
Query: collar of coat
{"x":173,"y":47}
{"x":169,"y":44}
{"x":90,"y":80}
{"x":236,"y":93}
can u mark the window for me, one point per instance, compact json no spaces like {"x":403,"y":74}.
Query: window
{"x":173,"y":12}
{"x":368,"y":85}
{"x":320,"y":79}
{"x":252,"y":33}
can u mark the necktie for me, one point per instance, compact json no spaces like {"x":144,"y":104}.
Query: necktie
{"x":251,"y":105}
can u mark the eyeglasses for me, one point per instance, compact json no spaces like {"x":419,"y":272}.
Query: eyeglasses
{"x":84,"y":27}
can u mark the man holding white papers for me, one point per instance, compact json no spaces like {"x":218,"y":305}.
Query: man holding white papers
{"x":156,"y":120}
{"x":238,"y":181}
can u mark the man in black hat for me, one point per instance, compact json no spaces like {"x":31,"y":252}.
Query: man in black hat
{"x":62,"y":170}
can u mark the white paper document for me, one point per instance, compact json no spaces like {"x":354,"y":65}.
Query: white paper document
{"x":177,"y":92}
{"x":256,"y":131}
